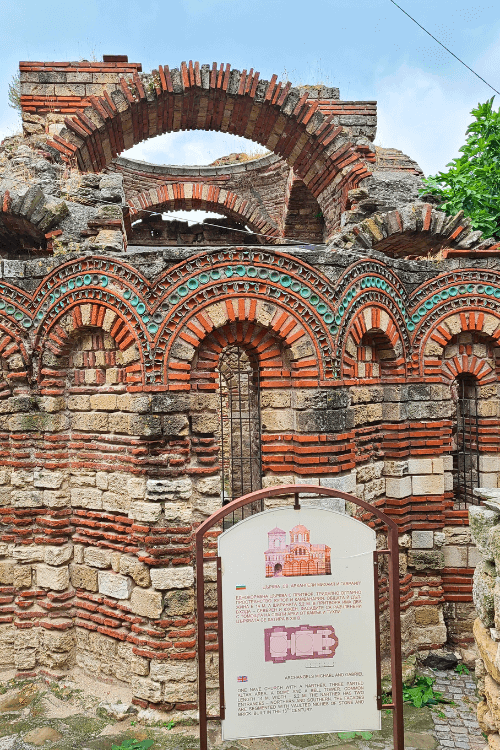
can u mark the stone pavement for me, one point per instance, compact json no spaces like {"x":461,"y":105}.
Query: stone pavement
{"x":63,"y":716}
{"x":456,"y":726}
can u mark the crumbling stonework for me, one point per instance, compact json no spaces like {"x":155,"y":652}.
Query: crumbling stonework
{"x":110,"y":355}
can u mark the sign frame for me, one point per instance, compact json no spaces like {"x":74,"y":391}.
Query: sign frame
{"x":392,"y":553}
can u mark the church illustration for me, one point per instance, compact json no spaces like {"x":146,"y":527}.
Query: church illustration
{"x":299,"y":558}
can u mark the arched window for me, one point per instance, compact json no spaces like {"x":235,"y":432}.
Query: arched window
{"x":240,"y":430}
{"x":465,"y":439}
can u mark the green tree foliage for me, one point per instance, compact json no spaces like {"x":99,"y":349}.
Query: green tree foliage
{"x":472,"y":182}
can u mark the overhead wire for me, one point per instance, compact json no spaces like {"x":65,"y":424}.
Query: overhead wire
{"x":445,"y":47}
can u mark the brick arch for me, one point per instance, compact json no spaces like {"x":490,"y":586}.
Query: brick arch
{"x":270,"y":113}
{"x":242,"y":321}
{"x":187,"y":196}
{"x":15,"y":364}
{"x":263,"y":346}
{"x":83,"y":316}
{"x":30,"y":225}
{"x":412,"y":234}
{"x":378,"y":326}
{"x":481,"y":324}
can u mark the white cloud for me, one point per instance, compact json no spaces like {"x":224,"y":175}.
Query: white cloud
{"x":190,"y":147}
{"x":426,"y":115}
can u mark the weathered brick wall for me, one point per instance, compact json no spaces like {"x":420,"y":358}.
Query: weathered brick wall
{"x":109,"y":403}
{"x":109,"y":423}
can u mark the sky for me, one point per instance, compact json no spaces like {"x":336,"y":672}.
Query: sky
{"x":368,"y":48}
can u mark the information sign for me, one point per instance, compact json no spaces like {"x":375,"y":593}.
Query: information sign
{"x":298,"y":605}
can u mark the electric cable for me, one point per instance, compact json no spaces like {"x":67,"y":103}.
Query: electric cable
{"x":444,"y":47}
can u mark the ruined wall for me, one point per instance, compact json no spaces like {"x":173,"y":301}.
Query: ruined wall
{"x":485,"y":532}
{"x":110,"y":442}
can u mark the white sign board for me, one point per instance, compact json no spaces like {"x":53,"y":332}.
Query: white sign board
{"x":298,"y":607}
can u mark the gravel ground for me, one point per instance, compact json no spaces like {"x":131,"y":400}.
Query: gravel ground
{"x":76,"y":715}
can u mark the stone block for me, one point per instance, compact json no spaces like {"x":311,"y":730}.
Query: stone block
{"x":278,"y":399}
{"x":398,"y":487}
{"x":169,"y":671}
{"x":207,"y":423}
{"x":473,"y":557}
{"x":50,"y":480}
{"x":137,"y":570}
{"x":103,"y":402}
{"x":395,"y":468}
{"x":205,"y":504}
{"x":147,"y":690}
{"x":168,"y":489}
{"x":136,"y":487}
{"x":172,"y":578}
{"x":179,"y":602}
{"x":79,"y":403}
{"x":422,"y":539}
{"x":146,"y":603}
{"x":423,"y":559}
{"x":58,"y":555}
{"x":342,"y":482}
{"x":209,"y":485}
{"x":427,"y":615}
{"x":49,"y":577}
{"x":27,"y":498}
{"x":6,"y":572}
{"x":86,"y":497}
{"x":114,"y":584}
{"x":427,"y":484}
{"x":455,"y":557}
{"x":481,"y":520}
{"x":431,"y":635}
{"x":369,"y":472}
{"x":178,"y":425}
{"x":97,"y":557}
{"x":179,"y":692}
{"x":30,"y":553}
{"x":178,"y":512}
{"x":89,"y":422}
{"x":484,"y":593}
{"x":167,"y":403}
{"x":22,"y":576}
{"x":115,"y":502}
{"x":277,"y":420}
{"x":83,"y":577}
{"x":143,"y":511}
{"x":437,"y":466}
{"x":145,"y":425}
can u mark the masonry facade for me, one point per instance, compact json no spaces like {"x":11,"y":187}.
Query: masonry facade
{"x":367,"y":321}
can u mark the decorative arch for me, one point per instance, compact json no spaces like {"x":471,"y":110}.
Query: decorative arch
{"x":263,"y":345}
{"x":484,"y":328}
{"x":375,"y":327}
{"x":190,"y":196}
{"x":56,"y":340}
{"x":262,"y":328}
{"x":30,"y":223}
{"x":195,"y":97}
{"x":14,"y":364}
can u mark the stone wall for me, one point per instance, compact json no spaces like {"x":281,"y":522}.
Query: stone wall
{"x":110,"y":354}
{"x":485,"y":532}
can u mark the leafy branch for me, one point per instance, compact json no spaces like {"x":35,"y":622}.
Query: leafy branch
{"x":472,"y":182}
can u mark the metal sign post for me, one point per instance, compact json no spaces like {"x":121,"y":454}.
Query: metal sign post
{"x":291,"y":563}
